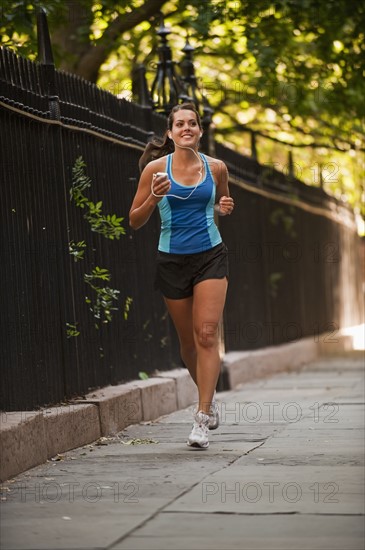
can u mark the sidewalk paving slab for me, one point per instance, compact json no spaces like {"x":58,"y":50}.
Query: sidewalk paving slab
{"x":236,"y":532}
{"x":284,"y":470}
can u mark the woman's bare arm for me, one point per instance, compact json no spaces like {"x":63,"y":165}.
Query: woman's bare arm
{"x":144,"y":201}
{"x":225,"y":203}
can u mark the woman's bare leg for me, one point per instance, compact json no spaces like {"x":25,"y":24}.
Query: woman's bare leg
{"x":181,"y":312}
{"x":208,"y":303}
{"x":196,"y":320}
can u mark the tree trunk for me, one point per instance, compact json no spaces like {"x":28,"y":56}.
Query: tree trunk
{"x":68,"y":41}
{"x":81,"y":57}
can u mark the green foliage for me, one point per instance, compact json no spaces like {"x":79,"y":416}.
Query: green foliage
{"x":289,"y":70}
{"x":143,"y":375}
{"x":287,"y":219}
{"x":18,"y":29}
{"x":104,"y":298}
{"x":77,"y":250}
{"x":107,"y":225}
{"x":274,"y":279}
{"x":80,"y":182}
{"x":103,"y":304}
{"x":71,"y":330}
{"x":127,"y":305}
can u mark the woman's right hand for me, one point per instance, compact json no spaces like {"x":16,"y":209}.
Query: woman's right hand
{"x":161,"y":185}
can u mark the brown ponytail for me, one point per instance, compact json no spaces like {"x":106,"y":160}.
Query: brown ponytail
{"x":157,"y":148}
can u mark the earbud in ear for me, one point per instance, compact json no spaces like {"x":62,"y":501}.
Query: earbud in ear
{"x":201,"y":134}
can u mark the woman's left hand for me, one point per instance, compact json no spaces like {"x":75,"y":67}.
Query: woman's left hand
{"x":226,"y":205}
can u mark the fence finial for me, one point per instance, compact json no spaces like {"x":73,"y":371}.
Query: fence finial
{"x":45,"y":55}
{"x":140,"y":88}
{"x":45,"y":58}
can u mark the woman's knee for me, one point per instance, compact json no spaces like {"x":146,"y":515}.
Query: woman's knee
{"x":207,"y":335}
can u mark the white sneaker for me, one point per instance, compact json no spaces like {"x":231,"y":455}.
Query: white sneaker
{"x":199,"y":433}
{"x":213,"y":416}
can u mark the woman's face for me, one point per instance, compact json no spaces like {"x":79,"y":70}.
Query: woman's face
{"x":185,"y":128}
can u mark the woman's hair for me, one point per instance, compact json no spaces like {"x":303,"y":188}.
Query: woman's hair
{"x":157,"y":148}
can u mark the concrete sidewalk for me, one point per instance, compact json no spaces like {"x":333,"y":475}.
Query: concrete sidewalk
{"x":29,"y":438}
{"x":285,"y":470}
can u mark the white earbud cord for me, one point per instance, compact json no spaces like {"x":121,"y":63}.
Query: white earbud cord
{"x":200,"y":172}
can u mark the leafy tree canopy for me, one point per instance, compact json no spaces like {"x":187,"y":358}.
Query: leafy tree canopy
{"x":289,"y":70}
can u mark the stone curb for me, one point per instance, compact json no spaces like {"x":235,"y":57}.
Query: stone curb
{"x":186,"y":390}
{"x":22,"y":442}
{"x":250,"y":365}
{"x":29,"y":438}
{"x":245,"y":366}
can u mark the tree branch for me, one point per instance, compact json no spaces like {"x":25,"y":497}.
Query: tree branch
{"x":90,"y":63}
{"x":315,"y":145}
{"x":315,"y":134}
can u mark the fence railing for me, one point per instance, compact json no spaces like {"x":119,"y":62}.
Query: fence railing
{"x":294,"y":251}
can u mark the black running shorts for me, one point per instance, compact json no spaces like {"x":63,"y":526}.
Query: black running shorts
{"x":177,"y":274}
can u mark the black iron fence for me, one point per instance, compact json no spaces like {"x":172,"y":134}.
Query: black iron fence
{"x":294,"y":251}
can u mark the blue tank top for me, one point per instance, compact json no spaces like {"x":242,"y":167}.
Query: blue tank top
{"x":187,"y":226}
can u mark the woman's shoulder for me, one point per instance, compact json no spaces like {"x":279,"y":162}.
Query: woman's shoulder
{"x":157,"y":165}
{"x":216,"y":165}
{"x":213,"y":161}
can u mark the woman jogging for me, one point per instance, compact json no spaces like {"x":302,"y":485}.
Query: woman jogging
{"x":192,"y":260}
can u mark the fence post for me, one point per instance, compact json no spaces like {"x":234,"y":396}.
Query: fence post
{"x":321,"y":181}
{"x":253,"y":145}
{"x":45,"y":58}
{"x":140,"y":87}
{"x":290,"y":173}
{"x":188,"y":75}
{"x":164,"y":87}
{"x":207,"y":140}
{"x":50,"y":91}
{"x":142,"y":95}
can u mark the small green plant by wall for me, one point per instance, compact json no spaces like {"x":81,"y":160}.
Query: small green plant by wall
{"x":102,"y":299}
